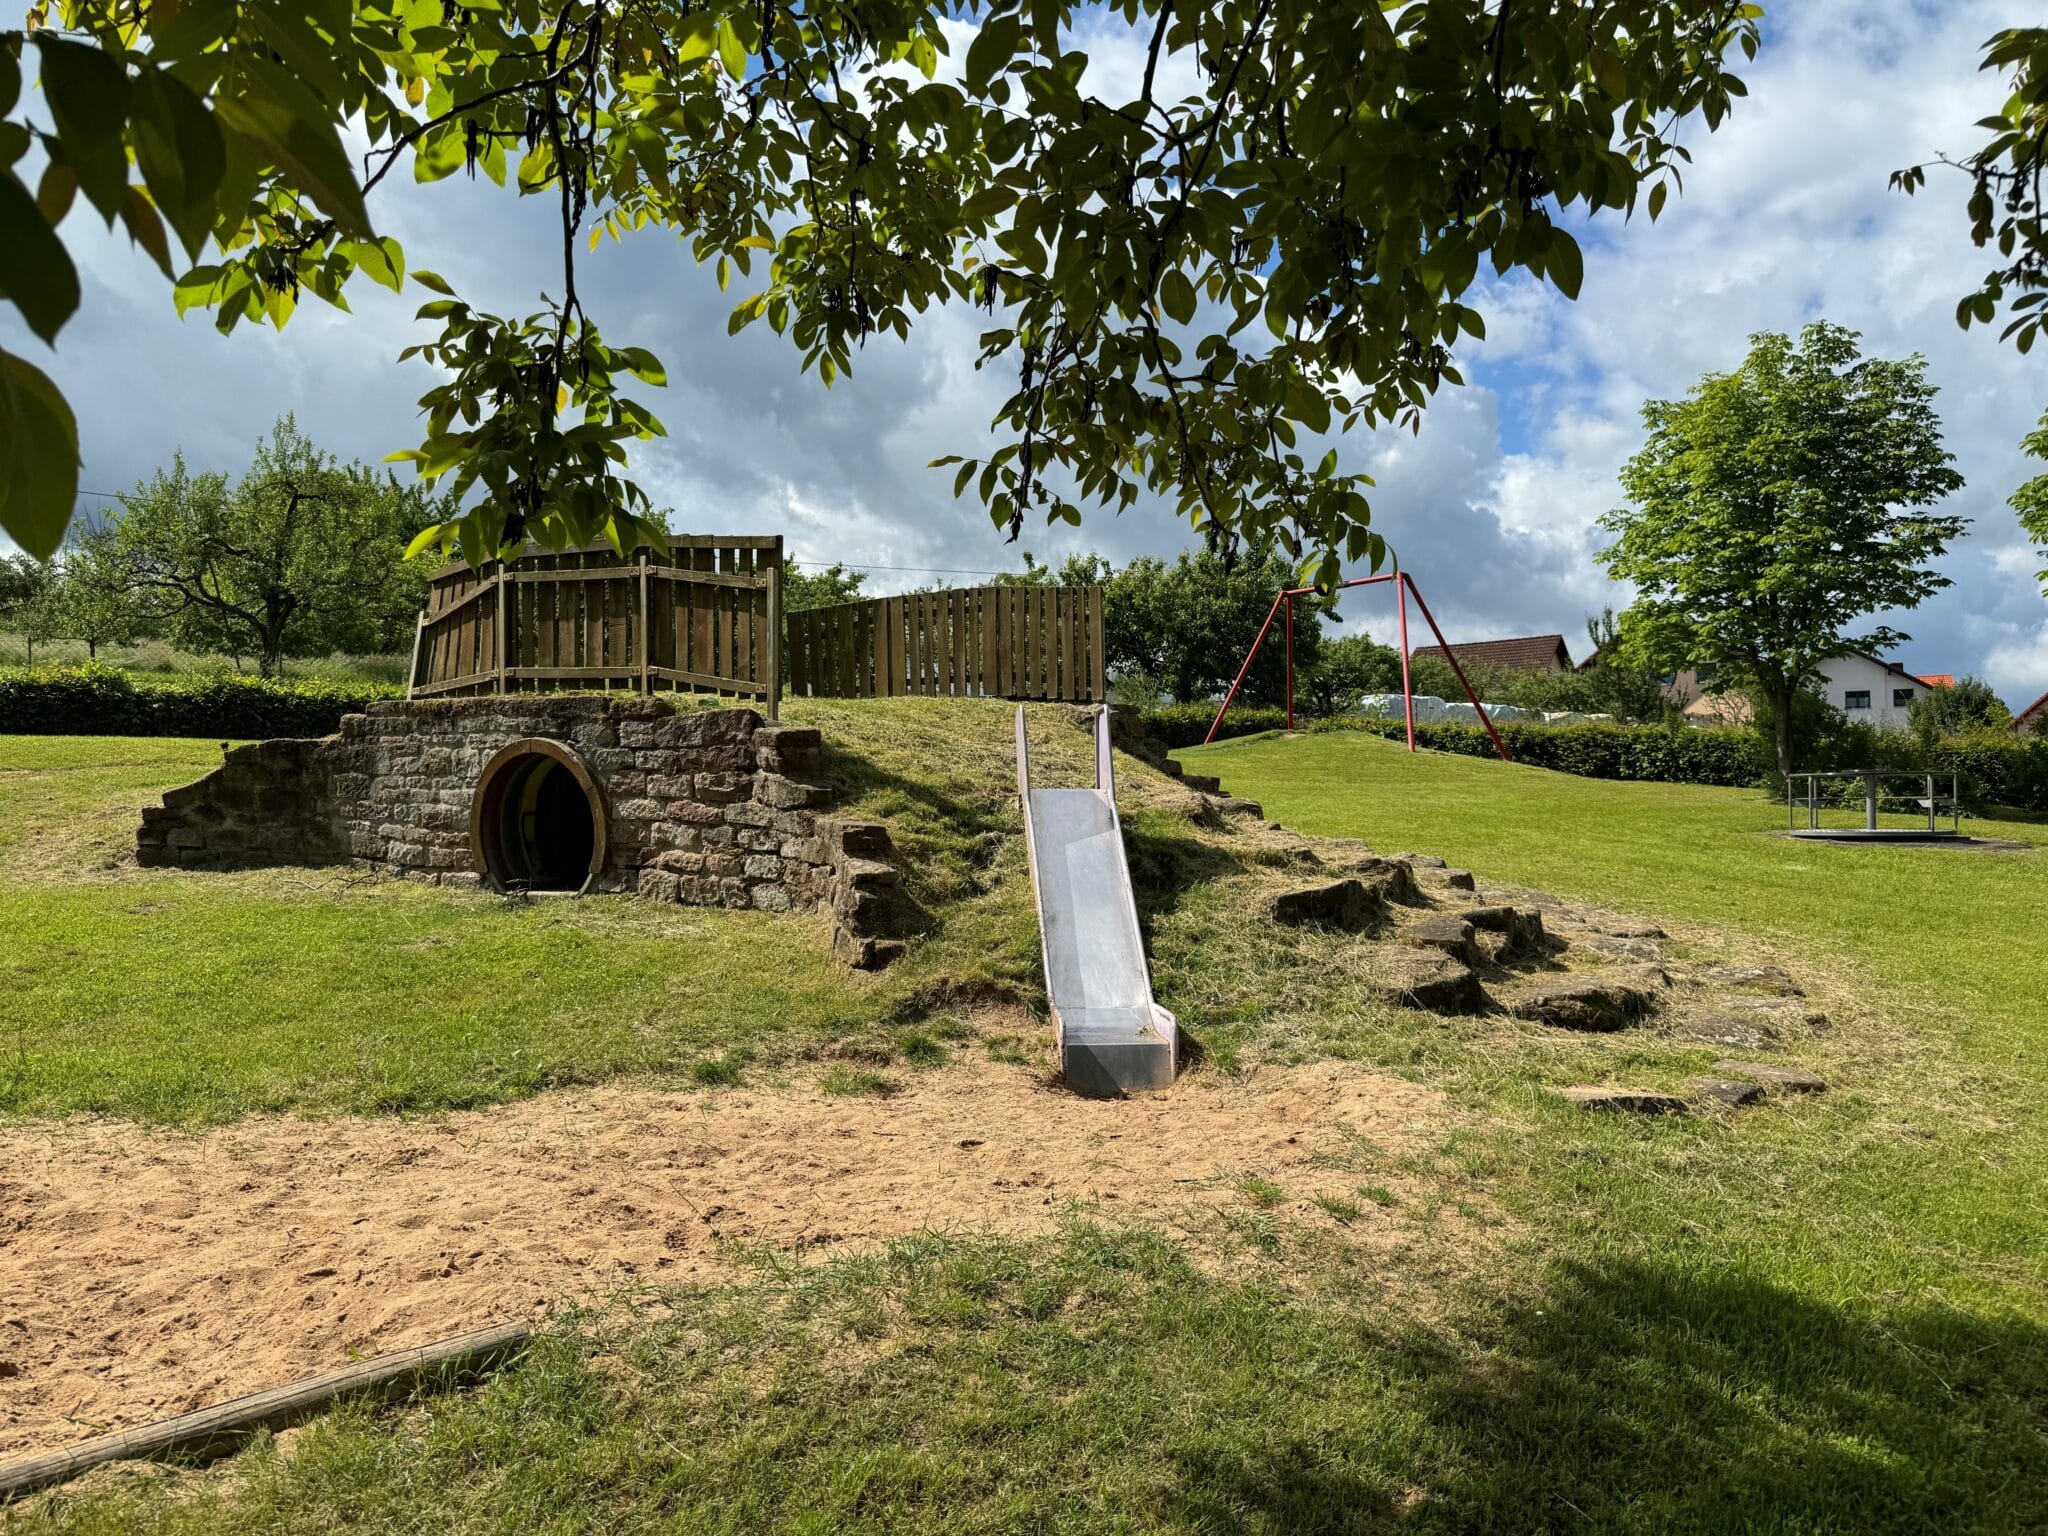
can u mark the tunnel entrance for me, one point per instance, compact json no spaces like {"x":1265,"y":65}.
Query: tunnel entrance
{"x":537,"y":822}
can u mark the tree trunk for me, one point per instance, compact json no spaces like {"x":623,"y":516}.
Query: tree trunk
{"x":92,"y":649}
{"x":1781,"y":721}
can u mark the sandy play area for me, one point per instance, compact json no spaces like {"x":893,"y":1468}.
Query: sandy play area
{"x":143,"y":1274}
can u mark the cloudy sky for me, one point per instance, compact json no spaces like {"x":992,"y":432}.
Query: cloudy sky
{"x":1785,"y":218}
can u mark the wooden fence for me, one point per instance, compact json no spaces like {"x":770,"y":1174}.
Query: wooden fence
{"x":703,"y":615}
{"x":993,"y":642}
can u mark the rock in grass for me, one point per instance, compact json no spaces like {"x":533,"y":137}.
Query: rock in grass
{"x":1435,"y":983}
{"x":1237,"y":805}
{"x":1755,"y":978}
{"x":1421,"y":860}
{"x":1625,"y":1101}
{"x":1460,"y":880}
{"x":1449,"y":932}
{"x":1598,"y":1003}
{"x":1521,"y":932}
{"x":1621,"y":927}
{"x":1626,"y":949}
{"x":1724,"y":1029}
{"x":1791,"y":1079}
{"x":1393,"y":880}
{"x":1344,"y":904}
{"x":1736,"y":1095}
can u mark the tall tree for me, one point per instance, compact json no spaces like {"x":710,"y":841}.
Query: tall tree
{"x":301,"y":556}
{"x":1273,"y":228}
{"x":1969,"y":704}
{"x":1775,"y":506}
{"x":93,"y":598}
{"x":2031,"y":499}
{"x":1189,"y":622}
{"x":28,"y":600}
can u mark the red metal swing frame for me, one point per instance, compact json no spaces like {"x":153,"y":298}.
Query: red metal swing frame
{"x":1404,"y":586}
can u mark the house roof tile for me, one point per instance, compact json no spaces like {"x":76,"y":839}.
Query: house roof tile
{"x":1533,"y":652}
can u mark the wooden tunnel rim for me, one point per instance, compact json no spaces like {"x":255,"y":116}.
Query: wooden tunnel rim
{"x":502,"y":762}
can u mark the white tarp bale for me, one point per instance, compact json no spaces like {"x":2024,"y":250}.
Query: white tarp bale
{"x":1459,"y":712}
{"x":1511,"y":714}
{"x":1563,"y":717}
{"x":1387,"y":706}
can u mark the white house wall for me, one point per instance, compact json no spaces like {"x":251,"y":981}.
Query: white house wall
{"x":1888,"y":695}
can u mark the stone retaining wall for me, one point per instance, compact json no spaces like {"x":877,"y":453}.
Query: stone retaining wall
{"x":702,"y":807}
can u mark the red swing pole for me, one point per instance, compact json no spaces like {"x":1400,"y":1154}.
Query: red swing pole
{"x":1288,"y":598}
{"x":1407,"y":686}
{"x":1451,"y":656}
{"x":1250,"y":655}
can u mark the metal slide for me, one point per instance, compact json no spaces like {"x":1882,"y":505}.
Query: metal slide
{"x":1113,"y":1038}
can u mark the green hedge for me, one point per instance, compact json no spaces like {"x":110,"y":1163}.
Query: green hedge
{"x":1731,"y":758}
{"x":101,"y":701}
{"x":1184,"y":725}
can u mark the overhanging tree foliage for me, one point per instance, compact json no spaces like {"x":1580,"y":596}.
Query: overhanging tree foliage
{"x":1776,"y":506}
{"x":1185,"y":280}
{"x":2031,"y":499}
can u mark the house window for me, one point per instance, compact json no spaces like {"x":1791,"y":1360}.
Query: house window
{"x":1856,"y":698}
{"x":1901,"y":697}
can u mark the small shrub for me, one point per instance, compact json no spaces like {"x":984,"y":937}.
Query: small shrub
{"x":1185,"y":725}
{"x":717,"y":1071}
{"x":1378,"y":1194}
{"x":1684,"y":756}
{"x":1338,"y":1209}
{"x":921,"y":1050}
{"x":1263,"y":1193}
{"x":852,"y":1082}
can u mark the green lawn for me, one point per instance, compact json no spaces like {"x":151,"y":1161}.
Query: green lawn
{"x":1823,"y":1315}
{"x":1958,"y":934}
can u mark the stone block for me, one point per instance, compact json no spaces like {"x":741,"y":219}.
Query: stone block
{"x":1344,"y":904}
{"x":789,"y":794}
{"x":770,"y":898}
{"x":1624,"y":1101}
{"x":762,"y":866}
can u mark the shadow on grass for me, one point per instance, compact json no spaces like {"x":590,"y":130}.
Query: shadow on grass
{"x":1635,"y":1396}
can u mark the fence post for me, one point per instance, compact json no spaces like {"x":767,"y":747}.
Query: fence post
{"x":503,"y":622}
{"x":646,"y":650}
{"x":412,"y":676}
{"x":772,"y":649}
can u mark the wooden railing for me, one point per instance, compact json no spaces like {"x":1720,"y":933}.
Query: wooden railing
{"x":702,"y":615}
{"x":992,"y":642}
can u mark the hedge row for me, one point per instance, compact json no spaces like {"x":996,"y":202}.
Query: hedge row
{"x":1730,"y":758}
{"x":1185,"y":725}
{"x":101,"y":701}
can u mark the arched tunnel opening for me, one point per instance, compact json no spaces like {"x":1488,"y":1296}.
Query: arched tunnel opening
{"x":537,"y":822}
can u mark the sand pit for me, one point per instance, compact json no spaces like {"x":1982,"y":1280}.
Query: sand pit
{"x":144,"y":1274}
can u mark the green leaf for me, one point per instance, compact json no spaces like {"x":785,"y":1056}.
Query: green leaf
{"x":1177,"y":294}
{"x":1563,"y":262}
{"x":642,"y":364}
{"x":294,"y":126}
{"x":55,"y":191}
{"x":427,"y":538}
{"x":146,"y":229}
{"x":35,"y":269}
{"x":433,"y":280}
{"x":732,"y":53}
{"x":993,"y":47}
{"x":38,"y":457}
{"x":183,"y":159}
{"x":87,"y":91}
{"x":1657,"y":195}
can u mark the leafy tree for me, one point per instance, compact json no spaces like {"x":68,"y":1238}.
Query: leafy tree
{"x":2005,"y":207}
{"x":1346,"y":668}
{"x":1187,"y":624}
{"x":91,"y":597}
{"x":1334,"y":177}
{"x":802,"y":589}
{"x":28,"y":604}
{"x":2031,"y":499}
{"x":1775,"y":506}
{"x":1969,"y":705}
{"x":301,"y":557}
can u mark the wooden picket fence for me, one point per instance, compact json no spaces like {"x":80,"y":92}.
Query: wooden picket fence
{"x":975,"y":642}
{"x":703,"y":615}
